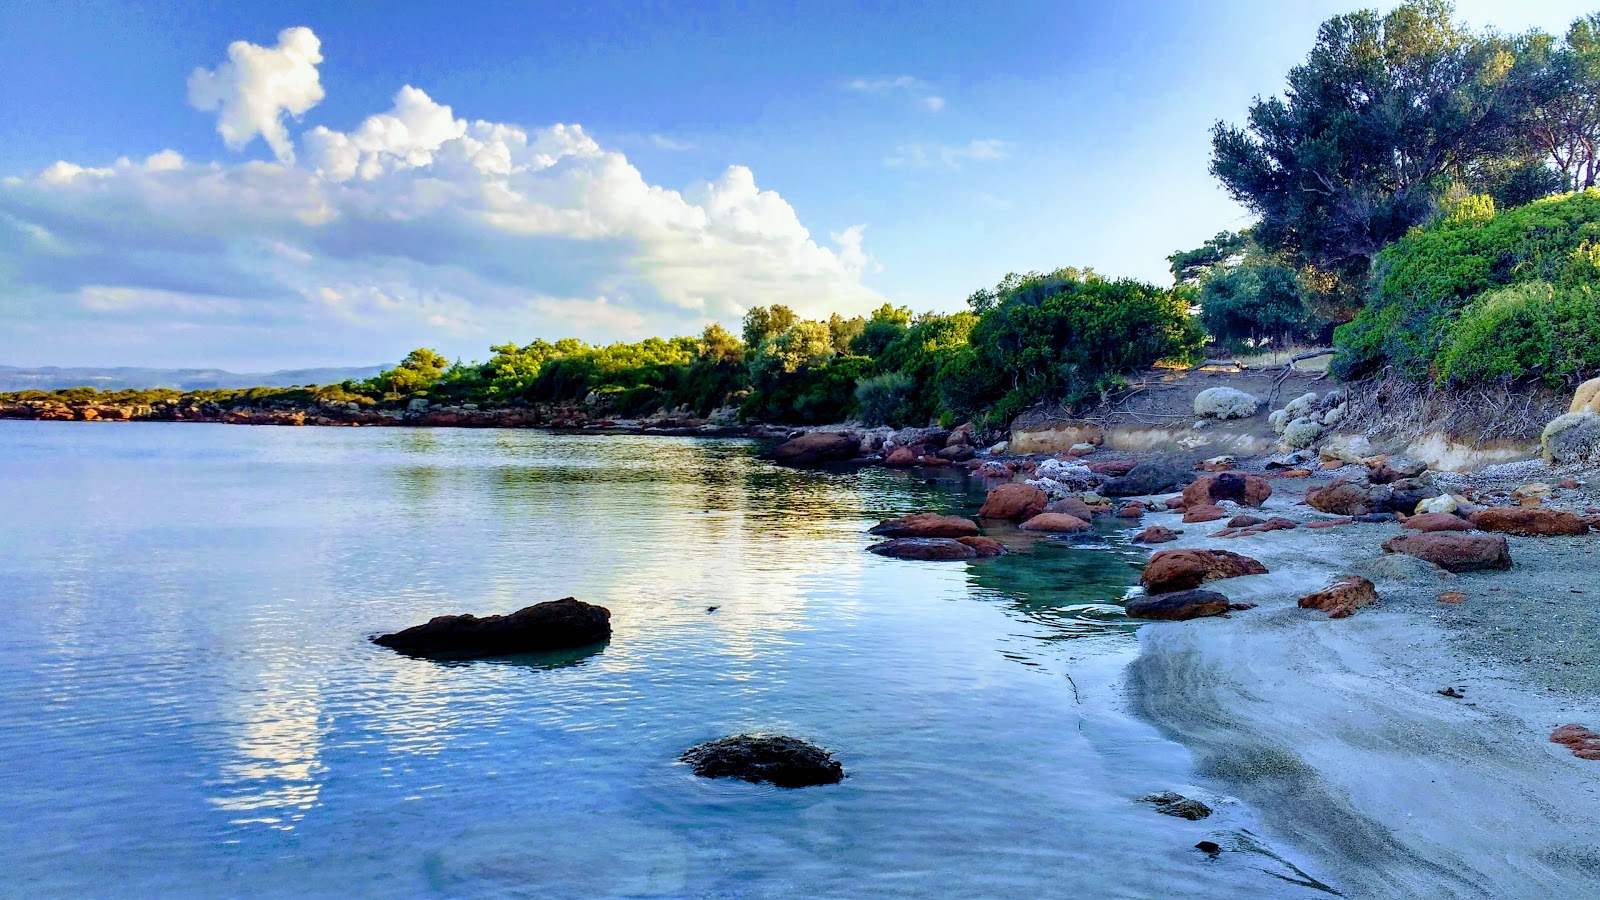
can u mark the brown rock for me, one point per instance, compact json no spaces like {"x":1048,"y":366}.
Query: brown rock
{"x":1177,"y":605}
{"x":1243,"y":521}
{"x":1533,"y":521}
{"x":1176,"y":504}
{"x":926,"y":525}
{"x":1114,"y":468}
{"x":1347,"y":498}
{"x":554,"y":625}
{"x":1246,"y":490}
{"x":1059,"y":523}
{"x":1437,"y":522}
{"x":924,"y":548}
{"x":1014,"y":501}
{"x":985,"y":546}
{"x":1131,"y":511}
{"x":1275,"y":523}
{"x":1295,"y":473}
{"x":1179,"y":570}
{"x":1330,"y":523}
{"x":1343,"y":597}
{"x":1452,"y":597}
{"x":1454,"y":551}
{"x":1204,"y":513}
{"x":1156,"y":534}
{"x":816,"y":448}
{"x":1072,"y":506}
{"x":900,"y":458}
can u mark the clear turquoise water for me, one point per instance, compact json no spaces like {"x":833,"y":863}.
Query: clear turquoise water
{"x":189,"y":706}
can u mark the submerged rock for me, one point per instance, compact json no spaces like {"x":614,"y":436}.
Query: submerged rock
{"x":773,"y":759}
{"x":816,"y":448}
{"x":1177,"y":605}
{"x":1058,"y":523}
{"x":1342,"y":598}
{"x":1454,"y":551}
{"x":1174,"y":804}
{"x":926,"y":525}
{"x":924,"y":548}
{"x":1013,"y":501}
{"x":1532,"y":521}
{"x":553,"y":625}
{"x":984,"y":546}
{"x":1178,"y":570}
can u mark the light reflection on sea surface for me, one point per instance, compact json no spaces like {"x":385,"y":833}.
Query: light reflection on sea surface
{"x":189,"y":705}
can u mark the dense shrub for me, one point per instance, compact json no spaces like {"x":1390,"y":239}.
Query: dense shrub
{"x":881,"y":399}
{"x":919,"y":354}
{"x":1526,"y":330}
{"x":1251,"y":305}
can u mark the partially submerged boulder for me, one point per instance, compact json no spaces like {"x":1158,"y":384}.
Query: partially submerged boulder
{"x":1177,"y":605}
{"x":773,"y":759}
{"x":984,"y":546}
{"x":1072,"y":506}
{"x":1205,"y":512}
{"x":1156,"y":534}
{"x":1148,"y":477}
{"x":553,"y":625}
{"x":1013,"y":501}
{"x":1531,"y":521}
{"x":1179,"y":570}
{"x":817,"y":448}
{"x":1454,"y":551}
{"x":1225,"y":403}
{"x":1348,"y":498}
{"x":1174,"y":804}
{"x":1057,"y":523}
{"x":1343,"y":597}
{"x":924,"y":548}
{"x":926,"y":525}
{"x":1245,"y":490}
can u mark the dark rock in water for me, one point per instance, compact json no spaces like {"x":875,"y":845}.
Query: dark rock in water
{"x":1152,"y":477}
{"x":1211,"y":848}
{"x":817,"y":448}
{"x":1375,"y":518}
{"x":984,"y":546}
{"x":1178,"y":805}
{"x":925,"y":548}
{"x":1177,"y":605}
{"x":554,"y":625}
{"x":775,"y":759}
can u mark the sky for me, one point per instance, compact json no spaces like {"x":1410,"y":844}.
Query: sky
{"x":257,"y":186}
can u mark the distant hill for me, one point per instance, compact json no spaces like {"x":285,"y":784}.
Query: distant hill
{"x":51,"y":378}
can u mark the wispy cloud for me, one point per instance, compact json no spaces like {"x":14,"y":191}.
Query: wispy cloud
{"x":918,"y":92}
{"x":948,"y":156}
{"x":663,"y":142}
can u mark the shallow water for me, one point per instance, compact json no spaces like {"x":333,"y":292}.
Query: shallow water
{"x":189,"y":705}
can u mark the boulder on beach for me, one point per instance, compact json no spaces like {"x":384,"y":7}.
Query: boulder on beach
{"x":1155,"y":534}
{"x":924,"y":548}
{"x":1177,"y":605}
{"x":1057,"y":523}
{"x":1072,"y":506}
{"x":1245,"y":490}
{"x":1348,"y":498}
{"x":1389,"y":469}
{"x":984,"y":546}
{"x":817,"y":448}
{"x":901,"y":458}
{"x":1226,"y":403}
{"x":1530,"y":521}
{"x":772,"y":759}
{"x":1343,"y":597}
{"x":925,"y":525}
{"x":1433,"y":521}
{"x":1205,"y":512}
{"x":1453,"y":550}
{"x":1013,"y":501}
{"x":1408,"y":569}
{"x":1573,"y":438}
{"x":1148,"y":477}
{"x":553,"y":625}
{"x":1180,"y":570}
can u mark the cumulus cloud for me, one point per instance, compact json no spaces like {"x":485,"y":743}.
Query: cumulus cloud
{"x":415,"y":226}
{"x":918,"y":92}
{"x":253,"y":91}
{"x":949,"y":156}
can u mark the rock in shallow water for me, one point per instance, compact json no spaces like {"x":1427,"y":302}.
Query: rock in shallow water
{"x":1174,"y":804}
{"x":926,"y":525}
{"x":1013,"y":501}
{"x":554,"y":625}
{"x":925,"y":548}
{"x":1342,"y":598}
{"x":1177,"y":606}
{"x":1178,"y":570}
{"x":775,"y":759}
{"x":817,"y":448}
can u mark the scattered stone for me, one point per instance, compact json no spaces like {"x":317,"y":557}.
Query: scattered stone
{"x":1245,"y":521}
{"x":1173,"y":804}
{"x":1131,"y":511}
{"x":553,"y":625}
{"x":1444,"y":503}
{"x":1156,"y":534}
{"x":904,"y":458}
{"x":1452,"y":597}
{"x":926,"y":525}
{"x":1432,"y":521}
{"x":1375,"y":518}
{"x":1149,"y":477}
{"x":1295,"y":473}
{"x":1225,"y":403}
{"x":1400,"y":567}
{"x":1331,"y":523}
{"x":1113,"y":468}
{"x":1454,"y":551}
{"x":1346,"y":449}
{"x":1302,"y":432}
{"x":1081,"y":449}
{"x":1205,"y":513}
{"x":1057,"y":523}
{"x":1347,"y":498}
{"x":1530,"y":521}
{"x":1218,"y":464}
{"x":1179,"y":570}
{"x":1532,"y":494}
{"x":816,"y":448}
{"x":1013,"y":501}
{"x":1583,"y":742}
{"x":956,"y":453}
{"x":1389,"y":469}
{"x":1245,"y":490}
{"x":1177,"y":606}
{"x":1072,"y":506}
{"x":924,"y":548}
{"x":984,"y":546}
{"x":774,"y":759}
{"x":1452,"y":692}
{"x":1342,"y":598}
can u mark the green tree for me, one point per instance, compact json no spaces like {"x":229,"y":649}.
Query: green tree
{"x":417,"y":372}
{"x":1189,"y":266}
{"x":762,"y":323}
{"x":886,"y":324}
{"x":1252,"y":304}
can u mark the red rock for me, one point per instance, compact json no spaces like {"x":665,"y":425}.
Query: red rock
{"x":1014,"y":501}
{"x":1131,"y":511}
{"x":1452,"y":597}
{"x":1347,"y":498}
{"x":1571,"y":733}
{"x":1342,"y":598}
{"x":1059,"y":523}
{"x":1177,"y":605}
{"x":1329,"y":523}
{"x":1176,"y":504}
{"x":933,"y":461}
{"x":1156,"y":534}
{"x":1275,"y":523}
{"x":926,"y":525}
{"x":1206,"y":513}
{"x":1532,"y":521}
{"x":1437,"y":522}
{"x":985,"y":546}
{"x":924,"y":548}
{"x":1178,"y":570}
{"x":1072,"y":506}
{"x":1568,"y":483}
{"x":1246,"y":490}
{"x":900,"y":458}
{"x":1295,"y":473}
{"x":1114,"y":468}
{"x":1453,"y":550}
{"x":1227,"y":532}
{"x":1243,"y":521}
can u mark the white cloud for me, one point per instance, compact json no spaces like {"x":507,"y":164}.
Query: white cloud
{"x":413,"y":227}
{"x":950,"y":156}
{"x":257,"y":86}
{"x":663,"y":142}
{"x":919,"y":92}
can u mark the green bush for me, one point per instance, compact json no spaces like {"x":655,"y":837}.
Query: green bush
{"x":1523,"y":331}
{"x":881,"y":399}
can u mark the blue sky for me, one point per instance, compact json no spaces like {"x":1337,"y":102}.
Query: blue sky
{"x":901,"y":152}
